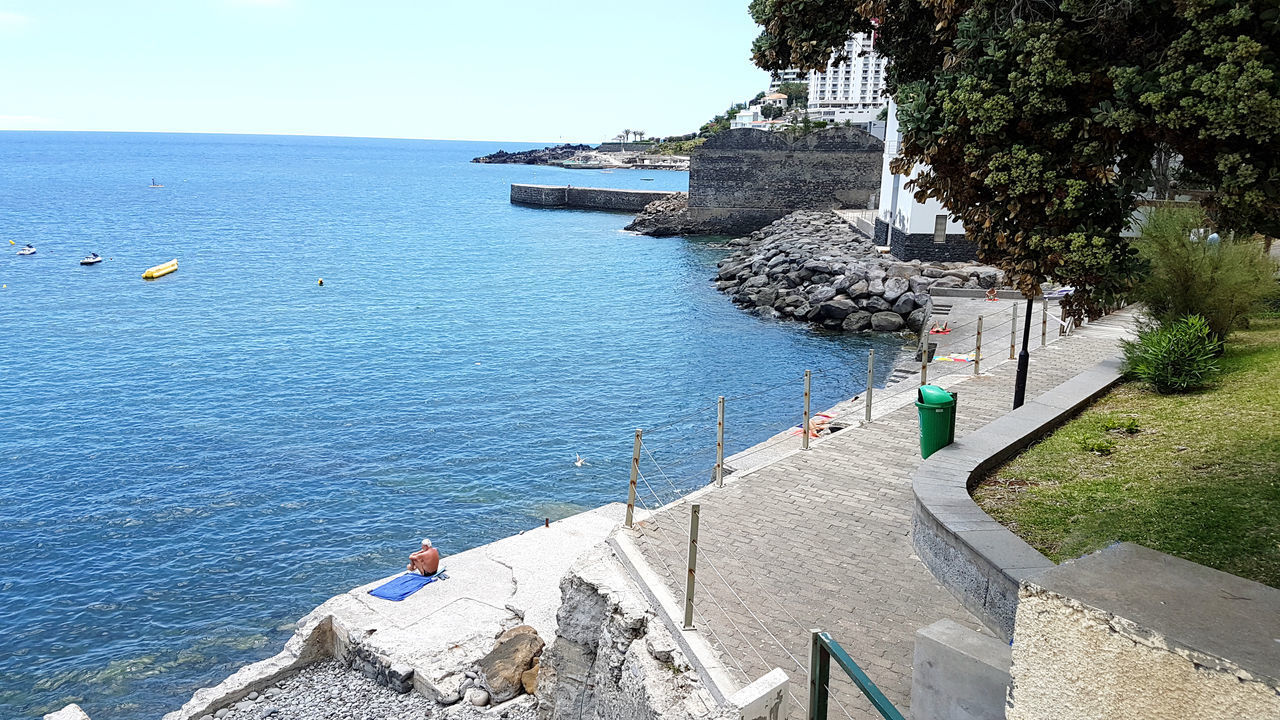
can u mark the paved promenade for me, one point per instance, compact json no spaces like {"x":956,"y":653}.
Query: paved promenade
{"x":821,"y":539}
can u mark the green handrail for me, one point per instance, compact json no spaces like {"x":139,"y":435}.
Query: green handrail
{"x":821,"y":651}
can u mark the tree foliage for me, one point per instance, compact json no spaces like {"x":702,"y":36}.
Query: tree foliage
{"x":797,"y":94}
{"x":1036,"y":122}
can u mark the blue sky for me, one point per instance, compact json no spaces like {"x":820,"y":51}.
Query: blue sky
{"x":556,"y":70}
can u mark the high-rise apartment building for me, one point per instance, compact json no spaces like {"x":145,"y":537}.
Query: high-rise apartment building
{"x":851,"y":90}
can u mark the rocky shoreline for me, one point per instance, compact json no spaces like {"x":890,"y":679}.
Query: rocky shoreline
{"x":668,"y":218}
{"x":814,"y":266}
{"x":540,"y":156}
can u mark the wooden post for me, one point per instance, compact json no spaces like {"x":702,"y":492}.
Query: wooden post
{"x":924,"y":369}
{"x":977,"y":353}
{"x":1044,"y":321}
{"x":1013,"y":335}
{"x":871,"y":379}
{"x":720,"y":442}
{"x":804,"y":429}
{"x":635,"y":475}
{"x":694,"y":512}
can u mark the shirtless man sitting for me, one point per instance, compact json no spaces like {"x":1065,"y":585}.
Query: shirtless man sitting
{"x":425,"y":562}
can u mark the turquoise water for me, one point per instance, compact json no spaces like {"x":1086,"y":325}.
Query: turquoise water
{"x":188,"y":465}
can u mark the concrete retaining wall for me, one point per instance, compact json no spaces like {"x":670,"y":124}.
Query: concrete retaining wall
{"x":741,"y":180}
{"x":585,"y":198}
{"x":976,"y":558}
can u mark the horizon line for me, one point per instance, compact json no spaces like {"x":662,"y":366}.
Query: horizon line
{"x":297,"y":134}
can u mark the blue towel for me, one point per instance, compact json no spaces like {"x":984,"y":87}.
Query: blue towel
{"x":399,"y":588}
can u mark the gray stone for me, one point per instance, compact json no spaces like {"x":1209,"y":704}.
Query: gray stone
{"x":859,"y":289}
{"x":821,"y":295}
{"x":206,"y":717}
{"x":915,"y":320}
{"x":876,"y":304}
{"x":886,"y":321}
{"x":919,"y":283}
{"x":252,"y":696}
{"x":222,"y":713}
{"x":477,"y":697}
{"x":755,"y":282}
{"x":946,"y":282}
{"x":766,"y":296}
{"x":905,"y":304}
{"x":894,"y":287}
{"x":923,"y":299}
{"x":837,"y":309}
{"x":933,"y":272}
{"x":801,"y":310}
{"x":860,"y":320}
{"x":243,"y":706}
{"x":450,"y":699}
{"x":988,"y":277}
{"x":876,"y":287}
{"x":268,"y":711}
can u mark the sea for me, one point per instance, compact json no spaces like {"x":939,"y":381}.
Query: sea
{"x":190,"y":464}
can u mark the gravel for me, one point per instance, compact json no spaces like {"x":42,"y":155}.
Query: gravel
{"x":330,"y":691}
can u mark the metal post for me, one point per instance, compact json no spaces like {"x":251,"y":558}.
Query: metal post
{"x":1024,"y":361}
{"x":871,"y":379}
{"x":804,"y":440}
{"x":694,"y":512}
{"x":1013,"y":334}
{"x":924,"y":369}
{"x":720,"y":442}
{"x":819,"y":677}
{"x":635,"y":475}
{"x":977,"y":353}
{"x":1044,"y":321}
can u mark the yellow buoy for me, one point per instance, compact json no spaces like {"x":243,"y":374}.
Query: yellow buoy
{"x":160,"y":270}
{"x":320,"y":282}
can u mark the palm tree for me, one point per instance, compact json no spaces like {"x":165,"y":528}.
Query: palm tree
{"x":639,"y":134}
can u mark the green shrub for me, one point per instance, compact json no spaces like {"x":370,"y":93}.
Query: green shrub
{"x":1127,"y":425}
{"x":1174,"y":357}
{"x":1221,"y":282}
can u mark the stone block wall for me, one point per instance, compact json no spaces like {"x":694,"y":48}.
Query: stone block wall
{"x":920,"y":246}
{"x":741,"y":180}
{"x":585,"y":198}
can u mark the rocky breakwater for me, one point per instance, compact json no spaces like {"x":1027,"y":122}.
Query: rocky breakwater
{"x":540,"y":156}
{"x":814,"y":266}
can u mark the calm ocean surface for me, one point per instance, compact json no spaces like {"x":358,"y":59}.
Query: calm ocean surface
{"x":189,"y":465}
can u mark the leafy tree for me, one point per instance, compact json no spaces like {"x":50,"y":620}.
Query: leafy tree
{"x":772,"y":112}
{"x":1038,"y":124}
{"x":797,"y":93}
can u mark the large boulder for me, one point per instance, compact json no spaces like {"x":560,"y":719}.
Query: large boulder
{"x":915,"y":320}
{"x":886,"y":321}
{"x":860,"y":320}
{"x":948,"y":281}
{"x":905,"y":304}
{"x":758,"y":281}
{"x":920,"y":283}
{"x":822,"y":294}
{"x":501,"y":671}
{"x":859,"y":289}
{"x":876,"y":286}
{"x":894,"y":287}
{"x":876,"y":304}
{"x":836,"y":309}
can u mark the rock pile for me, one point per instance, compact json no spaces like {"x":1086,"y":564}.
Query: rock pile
{"x":668,"y":217}
{"x":814,"y":266}
{"x":541,"y":156}
{"x":329,"y":690}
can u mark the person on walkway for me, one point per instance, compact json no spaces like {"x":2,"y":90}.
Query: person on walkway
{"x":425,"y":562}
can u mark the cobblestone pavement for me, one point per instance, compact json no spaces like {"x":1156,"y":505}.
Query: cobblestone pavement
{"x":821,"y":538}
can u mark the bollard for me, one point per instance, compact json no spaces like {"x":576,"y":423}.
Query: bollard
{"x":977,"y":353}
{"x":804,"y":428}
{"x":694,"y":512}
{"x":635,"y":475}
{"x":720,"y":442}
{"x":1013,"y":335}
{"x":1044,"y":321}
{"x":871,"y":379}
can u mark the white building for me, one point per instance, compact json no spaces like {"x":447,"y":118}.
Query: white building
{"x":912,"y":229}
{"x":753,"y":116}
{"x":851,"y":90}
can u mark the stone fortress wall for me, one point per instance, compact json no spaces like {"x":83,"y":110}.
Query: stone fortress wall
{"x":741,"y":180}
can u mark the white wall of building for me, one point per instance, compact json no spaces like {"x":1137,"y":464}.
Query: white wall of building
{"x":898,"y":206}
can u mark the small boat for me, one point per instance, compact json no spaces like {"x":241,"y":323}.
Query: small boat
{"x":155,"y":184}
{"x":92,"y":259}
{"x":28,"y":250}
{"x":647,"y":179}
{"x":160,"y":270}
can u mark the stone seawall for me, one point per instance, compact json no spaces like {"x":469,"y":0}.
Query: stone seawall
{"x":585,"y":198}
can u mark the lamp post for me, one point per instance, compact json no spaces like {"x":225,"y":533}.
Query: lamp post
{"x":1024,"y":360}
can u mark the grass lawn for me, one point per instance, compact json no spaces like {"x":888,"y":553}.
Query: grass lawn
{"x":1196,"y":476}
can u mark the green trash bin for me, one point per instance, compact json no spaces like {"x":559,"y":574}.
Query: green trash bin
{"x":937,"y":409}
